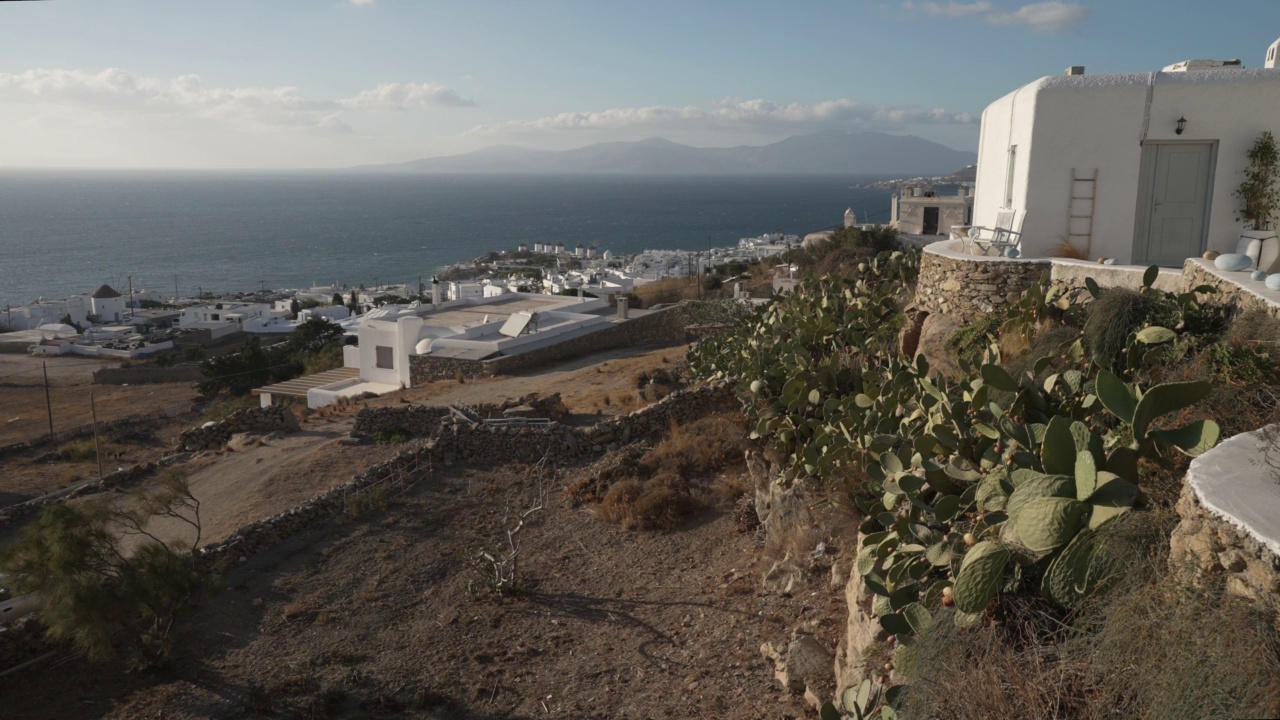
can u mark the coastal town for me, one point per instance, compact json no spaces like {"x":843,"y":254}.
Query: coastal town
{"x":1005,"y":448}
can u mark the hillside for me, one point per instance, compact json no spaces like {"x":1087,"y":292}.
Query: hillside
{"x":831,"y":152}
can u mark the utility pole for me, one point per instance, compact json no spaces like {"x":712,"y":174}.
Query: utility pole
{"x":130,"y":296}
{"x":175,"y":288}
{"x":97,"y":446}
{"x":48,"y":403}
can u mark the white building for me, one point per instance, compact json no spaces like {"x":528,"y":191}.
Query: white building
{"x":1138,"y":167}
{"x":46,"y":312}
{"x":107,"y":305}
{"x":223,"y":316}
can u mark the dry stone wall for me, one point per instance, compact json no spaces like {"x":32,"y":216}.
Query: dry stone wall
{"x":482,"y":444}
{"x":424,"y":420}
{"x":972,"y":288}
{"x":1206,"y":544}
{"x":1194,"y":274}
{"x":213,"y":436}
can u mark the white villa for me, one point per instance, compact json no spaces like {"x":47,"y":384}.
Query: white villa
{"x":1139,"y":167}
{"x":466,"y":329}
{"x":223,"y":317}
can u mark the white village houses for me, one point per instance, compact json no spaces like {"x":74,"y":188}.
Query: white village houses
{"x":1138,"y":167}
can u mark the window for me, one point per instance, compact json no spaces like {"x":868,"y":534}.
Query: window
{"x":1008,"y":176}
{"x":385,"y":357}
{"x":215,"y":316}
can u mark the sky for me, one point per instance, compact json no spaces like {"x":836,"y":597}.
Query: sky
{"x":336,"y":83}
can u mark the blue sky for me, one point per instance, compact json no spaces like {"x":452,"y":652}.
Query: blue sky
{"x":330,"y":83}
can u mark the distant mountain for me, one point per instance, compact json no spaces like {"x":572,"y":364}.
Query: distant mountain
{"x":829,"y":152}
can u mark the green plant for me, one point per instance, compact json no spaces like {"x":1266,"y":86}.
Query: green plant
{"x":1260,"y":190}
{"x":393,"y":436}
{"x":73,"y":558}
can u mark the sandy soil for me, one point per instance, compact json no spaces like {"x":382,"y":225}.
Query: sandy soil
{"x":24,"y":415}
{"x":388,"y":617}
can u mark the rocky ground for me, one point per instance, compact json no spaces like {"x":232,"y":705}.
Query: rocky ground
{"x":390,"y":614}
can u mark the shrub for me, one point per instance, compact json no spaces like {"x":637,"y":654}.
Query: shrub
{"x":1115,"y":314}
{"x":327,"y":358}
{"x":394,"y":436}
{"x":90,"y":588}
{"x":221,"y":410}
{"x":654,"y":504}
{"x":698,"y":449}
{"x":971,"y":341}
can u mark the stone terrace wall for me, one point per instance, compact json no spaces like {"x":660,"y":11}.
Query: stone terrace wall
{"x":971,"y":288}
{"x":1195,"y":272}
{"x":147,"y":374}
{"x":424,"y":420}
{"x":261,"y":420}
{"x":1230,"y":510}
{"x":480,"y":445}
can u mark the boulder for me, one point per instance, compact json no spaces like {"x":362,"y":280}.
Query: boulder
{"x":935,"y":333}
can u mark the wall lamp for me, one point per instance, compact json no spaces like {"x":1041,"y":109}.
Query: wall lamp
{"x":1182,"y":125}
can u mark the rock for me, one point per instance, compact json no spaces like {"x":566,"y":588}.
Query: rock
{"x":241,"y":442}
{"x":935,"y":333}
{"x":805,"y":668}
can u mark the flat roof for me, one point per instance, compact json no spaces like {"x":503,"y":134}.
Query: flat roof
{"x":298,"y":387}
{"x":498,"y":310}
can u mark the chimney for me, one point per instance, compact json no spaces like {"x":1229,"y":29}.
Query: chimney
{"x":1075,"y":70}
{"x":435,"y":292}
{"x":622,"y":308}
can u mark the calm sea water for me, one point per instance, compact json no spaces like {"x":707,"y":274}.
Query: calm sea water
{"x":65,"y":232}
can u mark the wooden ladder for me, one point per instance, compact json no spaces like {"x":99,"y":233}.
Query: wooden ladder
{"x":1084,"y":194}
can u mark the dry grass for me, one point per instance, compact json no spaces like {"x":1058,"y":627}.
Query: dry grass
{"x":1148,"y":647}
{"x":695,"y":466}
{"x":1067,"y":250}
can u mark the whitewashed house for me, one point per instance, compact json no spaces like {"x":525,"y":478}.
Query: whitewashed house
{"x":1140,"y":167}
{"x":107,"y":305}
{"x":223,"y":317}
{"x":45,"y":312}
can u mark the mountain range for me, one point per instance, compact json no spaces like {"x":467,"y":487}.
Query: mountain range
{"x":834,"y":152}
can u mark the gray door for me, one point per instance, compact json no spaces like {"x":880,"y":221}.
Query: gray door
{"x":1178,"y":203}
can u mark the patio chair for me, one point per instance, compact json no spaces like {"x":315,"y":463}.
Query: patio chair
{"x":998,"y":238}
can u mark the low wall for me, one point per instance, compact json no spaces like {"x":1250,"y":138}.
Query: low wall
{"x":111,"y":480}
{"x":970,"y":286}
{"x":149,"y":374}
{"x":1234,"y":288}
{"x":480,"y":445}
{"x":214,"y":436}
{"x":425,"y":420}
{"x":1230,"y":510}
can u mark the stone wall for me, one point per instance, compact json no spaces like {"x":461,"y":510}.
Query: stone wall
{"x":110,"y":480}
{"x":1230,"y":510}
{"x":970,"y":287}
{"x":1234,"y":289}
{"x":213,"y":436}
{"x":424,"y":420}
{"x":482,"y":445}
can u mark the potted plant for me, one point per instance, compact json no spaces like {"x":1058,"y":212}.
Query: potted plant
{"x":1259,"y":195}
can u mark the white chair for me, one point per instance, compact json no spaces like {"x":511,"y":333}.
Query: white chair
{"x":998,"y":238}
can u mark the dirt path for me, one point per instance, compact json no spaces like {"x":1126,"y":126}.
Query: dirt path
{"x":237,"y":488}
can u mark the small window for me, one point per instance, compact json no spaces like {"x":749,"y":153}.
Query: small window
{"x":1008,"y":177}
{"x":385,"y":357}
{"x":215,"y":316}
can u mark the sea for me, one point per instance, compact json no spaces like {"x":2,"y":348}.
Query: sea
{"x":64,"y":232}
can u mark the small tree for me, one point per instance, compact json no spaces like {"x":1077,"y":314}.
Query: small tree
{"x":295,"y":307}
{"x":337,"y":299}
{"x":1260,"y":191}
{"x":354,"y":304}
{"x":91,"y":587}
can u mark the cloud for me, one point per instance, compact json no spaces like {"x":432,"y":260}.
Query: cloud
{"x":400,"y":97}
{"x":362,"y":2}
{"x":752,"y":116}
{"x":116,"y":91}
{"x":1042,"y":17}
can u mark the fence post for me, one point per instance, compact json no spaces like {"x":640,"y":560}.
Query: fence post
{"x":47,"y":402}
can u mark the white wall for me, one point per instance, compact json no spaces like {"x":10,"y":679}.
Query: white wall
{"x":401,"y":335}
{"x":108,"y":309}
{"x":1097,"y":122}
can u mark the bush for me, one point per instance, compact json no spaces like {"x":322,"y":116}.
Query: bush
{"x":391,"y":437}
{"x":1118,"y":312}
{"x":649,"y":505}
{"x":327,"y":358}
{"x":221,"y":410}
{"x":970,"y":342}
{"x":699,"y":449}
{"x":91,"y":589}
